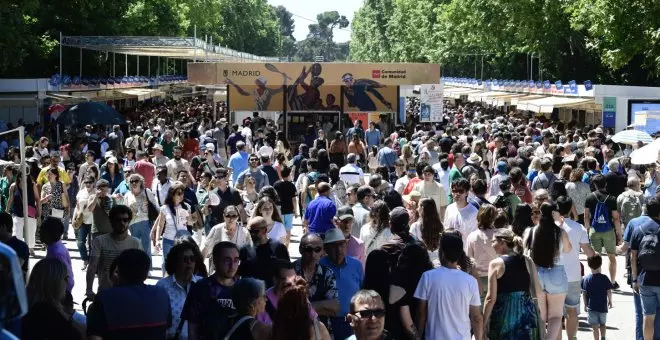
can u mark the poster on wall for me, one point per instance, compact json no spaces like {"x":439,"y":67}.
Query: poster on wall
{"x":609,"y":112}
{"x":431,"y":108}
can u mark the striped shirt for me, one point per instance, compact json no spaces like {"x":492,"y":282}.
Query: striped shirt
{"x":106,"y":249}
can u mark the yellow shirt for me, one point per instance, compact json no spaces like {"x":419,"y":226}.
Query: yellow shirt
{"x":43,"y":178}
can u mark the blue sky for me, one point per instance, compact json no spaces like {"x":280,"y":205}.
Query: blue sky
{"x":303,"y":10}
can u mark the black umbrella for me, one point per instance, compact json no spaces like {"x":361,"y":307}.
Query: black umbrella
{"x":92,"y":113}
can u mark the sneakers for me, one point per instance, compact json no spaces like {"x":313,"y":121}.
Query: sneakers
{"x":615,"y":285}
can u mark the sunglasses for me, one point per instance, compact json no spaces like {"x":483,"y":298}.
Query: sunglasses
{"x":256,"y":230}
{"x":312,"y":249}
{"x":370,"y":313}
{"x":229,"y":261}
{"x":135,"y":181}
{"x":231,"y":216}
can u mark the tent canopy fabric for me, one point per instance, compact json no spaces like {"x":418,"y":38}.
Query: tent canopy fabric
{"x":141,"y":94}
{"x":92,"y":113}
{"x":547,"y":104}
{"x":484,"y":96}
{"x":504,"y":100}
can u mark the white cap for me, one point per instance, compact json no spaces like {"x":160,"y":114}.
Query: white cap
{"x":210,"y":147}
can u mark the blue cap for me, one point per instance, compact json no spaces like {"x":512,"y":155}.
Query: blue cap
{"x":501,"y":167}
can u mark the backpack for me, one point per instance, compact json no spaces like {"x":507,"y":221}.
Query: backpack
{"x":600,"y":220}
{"x":631,"y":207}
{"x":649,"y":251}
{"x":503,"y":202}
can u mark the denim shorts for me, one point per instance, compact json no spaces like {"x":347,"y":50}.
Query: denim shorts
{"x":596,"y":318}
{"x":650,"y":296}
{"x":573,"y":295}
{"x":553,"y":280}
{"x":287,"y":220}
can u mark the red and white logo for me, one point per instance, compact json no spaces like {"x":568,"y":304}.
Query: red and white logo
{"x":375,"y":74}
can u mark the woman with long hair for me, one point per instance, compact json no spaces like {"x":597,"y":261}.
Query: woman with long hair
{"x":282,"y":145}
{"x":338,"y":186}
{"x":338,"y":149}
{"x":280,"y":162}
{"x":47,"y":317}
{"x":266,"y":208}
{"x":292,"y":320}
{"x":428,"y":228}
{"x":479,"y":244}
{"x":180,"y":265}
{"x":546,"y":242}
{"x":377,"y":231}
{"x":372,"y":159}
{"x":407,"y":155}
{"x":112,"y":173}
{"x":509,"y":310}
{"x":534,"y":169}
{"x":324,"y":161}
{"x":129,"y":160}
{"x":173,"y":219}
{"x":522,"y":219}
{"x":519,"y":185}
{"x":23,"y":232}
{"x":54,"y":199}
{"x":321,"y":142}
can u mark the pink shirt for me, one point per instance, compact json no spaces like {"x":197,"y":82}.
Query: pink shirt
{"x":355,"y":248}
{"x":272,"y":297}
{"x":480,"y":249}
{"x":146,"y":170}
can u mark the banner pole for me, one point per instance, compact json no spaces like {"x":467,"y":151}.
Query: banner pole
{"x":24,"y":188}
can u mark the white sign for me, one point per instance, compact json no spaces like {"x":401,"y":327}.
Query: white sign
{"x":431,"y":109}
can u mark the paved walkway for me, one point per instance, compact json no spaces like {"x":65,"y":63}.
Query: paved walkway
{"x":621,"y":323}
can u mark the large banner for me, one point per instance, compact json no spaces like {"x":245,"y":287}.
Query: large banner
{"x":431,"y":108}
{"x":313,"y":86}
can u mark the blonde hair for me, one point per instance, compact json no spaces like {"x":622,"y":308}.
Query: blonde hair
{"x":47,"y":283}
{"x":513,"y":241}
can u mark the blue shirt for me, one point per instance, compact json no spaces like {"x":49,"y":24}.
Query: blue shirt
{"x":387,"y":157}
{"x":121,"y":189}
{"x":586,"y":178}
{"x":372,"y":137}
{"x":596,"y":287}
{"x":238,"y":162}
{"x":177,"y":294}
{"x":645,"y":278}
{"x":349,"y":278}
{"x":319,"y":214}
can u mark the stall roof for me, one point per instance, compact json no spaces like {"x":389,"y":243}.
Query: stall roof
{"x":547,"y":104}
{"x":477,"y":97}
{"x":503,"y":100}
{"x":460,"y":92}
{"x":172,"y":47}
{"x":141,"y":94}
{"x":515,"y":101}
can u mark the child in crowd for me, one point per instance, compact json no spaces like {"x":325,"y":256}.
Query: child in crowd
{"x":597,"y":295}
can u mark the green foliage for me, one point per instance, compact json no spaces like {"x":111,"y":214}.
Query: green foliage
{"x":319,"y":41}
{"x":601,"y":40}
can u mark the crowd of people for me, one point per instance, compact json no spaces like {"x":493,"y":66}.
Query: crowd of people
{"x":467,"y":228}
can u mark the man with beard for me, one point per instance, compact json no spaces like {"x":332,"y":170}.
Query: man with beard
{"x":177,"y":164}
{"x":258,"y":259}
{"x":108,"y":246}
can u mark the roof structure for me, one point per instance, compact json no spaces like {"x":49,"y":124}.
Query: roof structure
{"x":171,"y":47}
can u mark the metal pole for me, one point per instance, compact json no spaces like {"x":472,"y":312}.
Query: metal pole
{"x":60,"y":83}
{"x":475,"y":67}
{"x":126,"y":65}
{"x":482,"y":67}
{"x":540,"y":73}
{"x":113,"y":63}
{"x":195,"y":44}
{"x":531,"y":67}
{"x":138,"y":65}
{"x":80,"y":71}
{"x":527,"y":61}
{"x":149,"y":66}
{"x":24,"y":188}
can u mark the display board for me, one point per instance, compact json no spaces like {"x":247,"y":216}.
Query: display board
{"x":431,"y":107}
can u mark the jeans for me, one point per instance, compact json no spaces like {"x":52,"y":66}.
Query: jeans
{"x":142,"y":230}
{"x":553,"y":280}
{"x":639,"y":317}
{"x":168,"y":244}
{"x":83,"y":235}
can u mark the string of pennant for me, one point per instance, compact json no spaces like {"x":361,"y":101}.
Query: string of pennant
{"x":56,"y":80}
{"x":520,"y":83}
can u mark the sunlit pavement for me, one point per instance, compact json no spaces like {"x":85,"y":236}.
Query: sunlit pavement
{"x":620,"y":321}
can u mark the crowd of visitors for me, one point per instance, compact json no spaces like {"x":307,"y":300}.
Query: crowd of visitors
{"x":467,"y":228}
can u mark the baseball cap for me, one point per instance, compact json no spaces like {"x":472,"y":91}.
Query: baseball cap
{"x":333,"y":235}
{"x":344,"y":213}
{"x":501,"y":167}
{"x":399,"y":216}
{"x":210,"y":147}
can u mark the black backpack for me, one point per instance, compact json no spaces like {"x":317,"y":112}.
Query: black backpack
{"x":649,"y":251}
{"x":503,"y":202}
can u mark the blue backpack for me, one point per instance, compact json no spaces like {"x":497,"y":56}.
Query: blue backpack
{"x":600,"y":220}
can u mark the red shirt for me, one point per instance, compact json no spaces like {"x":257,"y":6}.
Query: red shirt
{"x":146,"y":170}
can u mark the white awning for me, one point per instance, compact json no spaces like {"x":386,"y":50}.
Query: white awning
{"x":457,"y":93}
{"x":484,"y":96}
{"x":504,"y":100}
{"x":547,"y":104}
{"x":220,"y":96}
{"x":516,"y":100}
{"x":141,"y":94}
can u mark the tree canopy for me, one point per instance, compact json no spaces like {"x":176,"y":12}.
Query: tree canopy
{"x":600,"y":40}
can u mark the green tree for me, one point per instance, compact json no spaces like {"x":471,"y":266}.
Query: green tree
{"x":319,"y":41}
{"x":287,"y":26}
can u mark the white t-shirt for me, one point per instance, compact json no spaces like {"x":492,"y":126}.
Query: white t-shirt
{"x":174,"y":223}
{"x":578,"y":236}
{"x":401,"y":183}
{"x":350,"y":174}
{"x":449,"y":293}
{"x":463,"y":220}
{"x":278,"y":232}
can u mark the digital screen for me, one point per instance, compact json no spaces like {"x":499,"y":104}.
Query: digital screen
{"x":647,"y":123}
